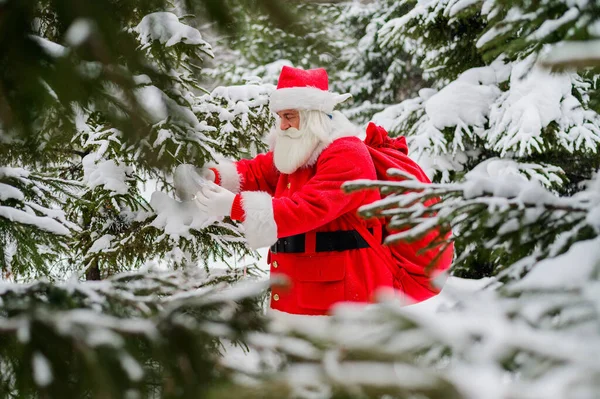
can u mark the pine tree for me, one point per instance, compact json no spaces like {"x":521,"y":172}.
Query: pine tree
{"x":490,"y":99}
{"x":375,"y":75}
{"x":94,"y":106}
{"x":138,"y":334}
{"x":342,"y":38}
{"x":97,"y":100}
{"x":312,"y":40}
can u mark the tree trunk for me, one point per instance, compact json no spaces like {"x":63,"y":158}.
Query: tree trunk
{"x":93,"y":272}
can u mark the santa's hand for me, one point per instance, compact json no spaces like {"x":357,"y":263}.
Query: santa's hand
{"x":188,"y":179}
{"x":215,"y":200}
{"x":206,"y":173}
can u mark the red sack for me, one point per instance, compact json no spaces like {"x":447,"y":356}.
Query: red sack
{"x":413,"y":269}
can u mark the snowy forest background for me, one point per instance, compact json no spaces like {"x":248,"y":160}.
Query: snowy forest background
{"x":110,"y":286}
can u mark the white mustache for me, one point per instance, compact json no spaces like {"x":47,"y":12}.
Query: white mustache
{"x":291,"y":132}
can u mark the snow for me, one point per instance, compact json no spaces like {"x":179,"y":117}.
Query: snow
{"x":461,"y":5}
{"x":464,"y":104}
{"x":104,"y":337}
{"x":394,"y":116}
{"x":101,"y":244}
{"x":105,"y":173}
{"x":79,"y":31}
{"x":159,"y":106}
{"x":572,"y":52}
{"x":372,"y":374}
{"x":132,"y":394}
{"x":492,"y":34}
{"x":508,"y":105}
{"x":244,"y":93}
{"x":41,"y":222}
{"x":142,"y":80}
{"x":550,"y":26}
{"x":10,"y":192}
{"x":471,"y":323}
{"x":67,"y":320}
{"x":24,"y":332}
{"x":570,"y":270}
{"x":461,"y":103}
{"x":510,"y":122}
{"x":468,"y":100}
{"x":241,"y":290}
{"x":166,"y":28}
{"x":428,"y":147}
{"x":152,"y":99}
{"x":593,"y":216}
{"x":497,"y":72}
{"x":454,"y":288}
{"x":53,"y":49}
{"x":10,"y":249}
{"x":507,"y":178}
{"x":594,"y":29}
{"x":42,"y":371}
{"x":444,"y":163}
{"x":132,"y":368}
{"x":232,"y":105}
{"x":6,"y":171}
{"x":177,"y":218}
{"x":528,"y":107}
{"x":267,"y":73}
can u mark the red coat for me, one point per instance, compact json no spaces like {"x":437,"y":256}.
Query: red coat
{"x":310,"y":200}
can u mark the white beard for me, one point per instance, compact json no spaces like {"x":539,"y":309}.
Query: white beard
{"x":293,"y":148}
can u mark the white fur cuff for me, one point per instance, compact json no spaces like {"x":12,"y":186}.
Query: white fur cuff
{"x":305,"y":98}
{"x":230,"y":178}
{"x":259,"y":224}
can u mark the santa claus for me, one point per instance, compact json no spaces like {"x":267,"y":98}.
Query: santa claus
{"x":290,"y":199}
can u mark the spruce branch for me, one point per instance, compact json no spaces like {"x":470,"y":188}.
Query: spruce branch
{"x":137,"y":332}
{"x":498,"y":214}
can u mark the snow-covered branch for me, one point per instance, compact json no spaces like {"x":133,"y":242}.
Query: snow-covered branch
{"x":130,"y":326}
{"x":495,"y":207}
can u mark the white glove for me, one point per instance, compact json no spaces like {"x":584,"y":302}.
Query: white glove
{"x":188,"y":180}
{"x":215,"y":200}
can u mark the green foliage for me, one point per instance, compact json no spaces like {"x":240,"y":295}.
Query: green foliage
{"x":342,"y":38}
{"x":373,"y":72}
{"x":32,"y":231}
{"x":491,"y":97}
{"x":498,"y":221}
{"x":518,"y":337}
{"x":34,"y":79}
{"x":311,"y":40}
{"x":518,"y":35}
{"x":448,"y":40}
{"x":144,"y":334}
{"x":541,"y":31}
{"x":91,"y":122}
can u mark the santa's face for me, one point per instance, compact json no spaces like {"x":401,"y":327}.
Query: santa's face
{"x":293,"y":144}
{"x":289,"y":118}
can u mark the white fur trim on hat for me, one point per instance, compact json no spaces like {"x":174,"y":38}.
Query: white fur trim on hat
{"x":305,"y":98}
{"x":230,"y":178}
{"x":259,"y":223}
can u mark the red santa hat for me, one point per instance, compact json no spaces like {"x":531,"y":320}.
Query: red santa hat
{"x":304,"y":89}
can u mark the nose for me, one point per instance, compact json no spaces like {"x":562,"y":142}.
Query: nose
{"x":284,"y":125}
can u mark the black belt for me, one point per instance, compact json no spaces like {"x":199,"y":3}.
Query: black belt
{"x":340,"y":240}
